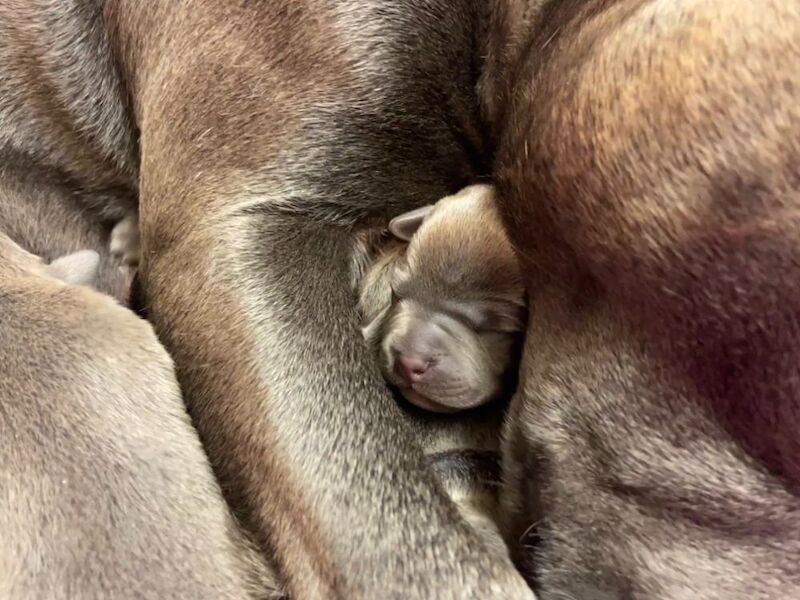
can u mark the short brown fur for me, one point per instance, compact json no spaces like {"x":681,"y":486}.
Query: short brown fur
{"x":648,"y":164}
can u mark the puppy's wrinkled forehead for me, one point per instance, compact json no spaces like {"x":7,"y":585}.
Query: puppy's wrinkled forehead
{"x":462,"y":251}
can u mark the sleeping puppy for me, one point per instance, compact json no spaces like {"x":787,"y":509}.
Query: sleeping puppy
{"x":79,"y":251}
{"x":83,"y":267}
{"x":447,"y":308}
{"x":445,"y":290}
{"x":79,"y":268}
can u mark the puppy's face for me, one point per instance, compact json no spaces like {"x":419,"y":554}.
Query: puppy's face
{"x":446,"y":312}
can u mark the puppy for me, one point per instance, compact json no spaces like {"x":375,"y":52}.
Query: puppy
{"x":447,"y":309}
{"x":82,"y":267}
{"x":446,"y":289}
{"x":43,"y":220}
{"x":78,"y":268}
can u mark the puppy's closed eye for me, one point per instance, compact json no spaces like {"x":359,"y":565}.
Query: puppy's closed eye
{"x":501,"y":321}
{"x":490,"y":316}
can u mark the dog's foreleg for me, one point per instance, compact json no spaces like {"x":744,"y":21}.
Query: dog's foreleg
{"x":296,"y":418}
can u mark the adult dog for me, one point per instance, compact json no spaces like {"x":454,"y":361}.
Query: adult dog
{"x":255,"y":137}
{"x":648,"y":158}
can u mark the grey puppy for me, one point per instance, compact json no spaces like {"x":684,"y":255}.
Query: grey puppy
{"x":447,"y":309}
{"x":82,"y":267}
{"x":36,"y":215}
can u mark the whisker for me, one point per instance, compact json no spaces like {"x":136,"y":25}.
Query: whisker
{"x":528,"y":530}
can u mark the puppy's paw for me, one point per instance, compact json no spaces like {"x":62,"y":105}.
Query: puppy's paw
{"x":78,"y":268}
{"x":125,"y":240}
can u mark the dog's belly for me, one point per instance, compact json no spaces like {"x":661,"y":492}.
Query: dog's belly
{"x":654,"y":435}
{"x":623,"y":485}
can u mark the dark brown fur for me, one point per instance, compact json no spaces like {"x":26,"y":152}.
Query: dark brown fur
{"x":649,"y":166}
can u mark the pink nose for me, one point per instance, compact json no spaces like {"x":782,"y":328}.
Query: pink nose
{"x":410,"y":368}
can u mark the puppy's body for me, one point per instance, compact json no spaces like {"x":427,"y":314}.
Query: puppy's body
{"x":458,"y":275}
{"x":648,"y":167}
{"x":463,"y":451}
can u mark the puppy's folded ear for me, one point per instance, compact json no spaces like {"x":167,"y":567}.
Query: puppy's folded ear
{"x":405,"y":226}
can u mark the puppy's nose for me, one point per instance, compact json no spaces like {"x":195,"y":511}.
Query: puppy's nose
{"x":411,"y":368}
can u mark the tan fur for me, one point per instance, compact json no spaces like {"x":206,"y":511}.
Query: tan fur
{"x":462,"y":235}
{"x":454,"y":297}
{"x":648,"y":167}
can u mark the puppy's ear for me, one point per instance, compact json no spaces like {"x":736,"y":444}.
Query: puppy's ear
{"x":405,"y":226}
{"x":78,"y":268}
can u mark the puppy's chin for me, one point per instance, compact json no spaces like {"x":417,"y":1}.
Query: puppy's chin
{"x":443,"y":406}
{"x":426,"y":403}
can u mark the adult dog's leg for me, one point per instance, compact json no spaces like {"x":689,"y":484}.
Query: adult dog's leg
{"x":267,"y":131}
{"x":104,"y":488}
